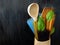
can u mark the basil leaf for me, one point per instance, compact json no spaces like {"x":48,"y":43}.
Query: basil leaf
{"x":53,"y":30}
{"x":49,"y":15}
{"x":41,"y":25}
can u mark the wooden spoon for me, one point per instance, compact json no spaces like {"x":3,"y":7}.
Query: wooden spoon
{"x":33,"y":10}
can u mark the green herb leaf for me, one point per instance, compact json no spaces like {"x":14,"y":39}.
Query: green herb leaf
{"x":53,"y":30}
{"x":49,"y":15}
{"x":41,"y":25}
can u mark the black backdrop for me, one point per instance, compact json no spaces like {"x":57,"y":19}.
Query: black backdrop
{"x":13,"y":17}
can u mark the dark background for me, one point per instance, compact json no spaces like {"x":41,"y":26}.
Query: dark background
{"x":13,"y":27}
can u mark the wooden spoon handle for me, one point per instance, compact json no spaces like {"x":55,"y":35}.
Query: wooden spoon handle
{"x":35,"y":30}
